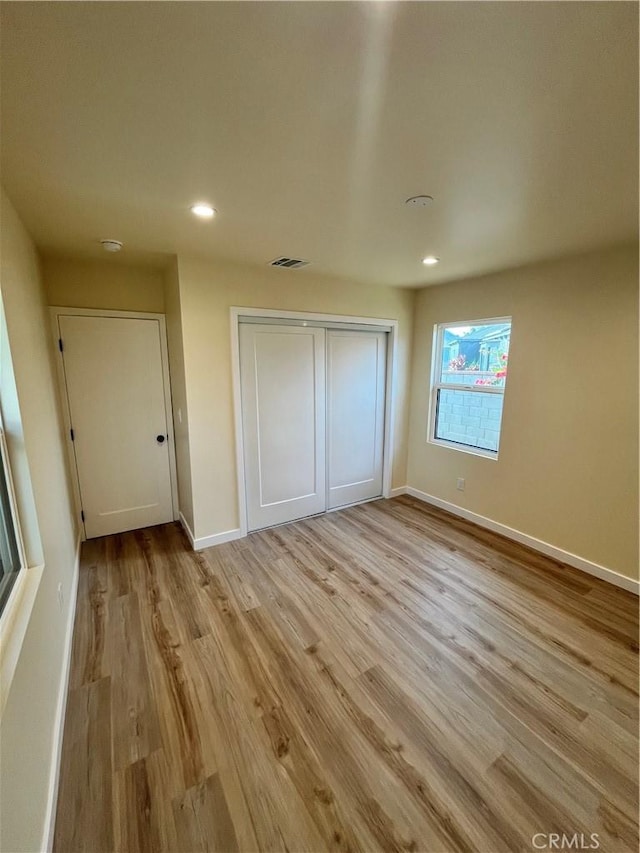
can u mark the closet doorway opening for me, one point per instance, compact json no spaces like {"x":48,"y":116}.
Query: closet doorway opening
{"x":313,"y":403}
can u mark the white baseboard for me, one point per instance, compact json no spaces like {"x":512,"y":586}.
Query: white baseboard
{"x":399,"y":490}
{"x":61,"y":709}
{"x":186,"y":528}
{"x":209,"y":541}
{"x":217,"y":539}
{"x":546,"y":548}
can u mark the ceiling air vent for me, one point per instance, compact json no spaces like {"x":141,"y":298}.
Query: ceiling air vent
{"x":289,"y":263}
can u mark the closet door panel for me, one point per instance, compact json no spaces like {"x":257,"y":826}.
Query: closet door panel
{"x":356,"y":371}
{"x":283,"y":403}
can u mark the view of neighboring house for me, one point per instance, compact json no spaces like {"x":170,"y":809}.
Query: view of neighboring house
{"x":478,"y":349}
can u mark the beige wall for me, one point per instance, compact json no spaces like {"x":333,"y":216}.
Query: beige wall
{"x":178,"y":390}
{"x":29,"y":717}
{"x":567,"y":472}
{"x":207,"y":291}
{"x":111,"y":284}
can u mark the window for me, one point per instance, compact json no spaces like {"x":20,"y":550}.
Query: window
{"x":469,"y":377}
{"x":10,"y":560}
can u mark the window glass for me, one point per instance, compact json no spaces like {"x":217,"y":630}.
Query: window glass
{"x":475,"y":355}
{"x":9,"y":551}
{"x":472,"y":361}
{"x":468,"y":418}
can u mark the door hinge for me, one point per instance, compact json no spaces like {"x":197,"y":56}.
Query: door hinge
{"x":60,"y":345}
{"x":82,"y":515}
{"x":73,"y":437}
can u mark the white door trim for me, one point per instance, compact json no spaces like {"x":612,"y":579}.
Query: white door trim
{"x":56,"y":312}
{"x":304,"y":316}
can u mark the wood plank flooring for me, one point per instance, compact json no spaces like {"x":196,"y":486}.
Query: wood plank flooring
{"x":384,"y":678}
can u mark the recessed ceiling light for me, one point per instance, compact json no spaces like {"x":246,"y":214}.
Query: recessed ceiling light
{"x":204,"y":211}
{"x":430,"y":260}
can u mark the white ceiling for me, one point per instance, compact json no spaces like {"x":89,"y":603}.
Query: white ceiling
{"x":308,"y":124}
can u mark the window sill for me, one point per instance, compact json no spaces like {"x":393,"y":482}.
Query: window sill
{"x":462,"y":448}
{"x":13,"y":626}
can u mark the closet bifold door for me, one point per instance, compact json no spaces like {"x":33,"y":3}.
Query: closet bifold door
{"x":282,"y":375}
{"x":356,"y":381}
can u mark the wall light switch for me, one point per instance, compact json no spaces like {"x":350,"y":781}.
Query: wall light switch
{"x":460,"y":484}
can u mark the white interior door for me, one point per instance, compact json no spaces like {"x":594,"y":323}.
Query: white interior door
{"x":115,"y":387}
{"x":282,"y":371}
{"x":356,"y":379}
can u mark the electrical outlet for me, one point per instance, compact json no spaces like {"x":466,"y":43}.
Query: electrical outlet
{"x":460,"y":484}
{"x":60,"y":596}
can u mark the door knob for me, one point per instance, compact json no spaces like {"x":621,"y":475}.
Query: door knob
{"x":159,"y":439}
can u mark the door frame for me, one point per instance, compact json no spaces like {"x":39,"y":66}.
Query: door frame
{"x":56,"y":311}
{"x":331,"y":320}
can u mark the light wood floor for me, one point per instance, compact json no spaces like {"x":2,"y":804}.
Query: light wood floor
{"x":385,"y":678}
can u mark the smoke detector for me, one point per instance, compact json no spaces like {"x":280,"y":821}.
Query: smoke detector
{"x":111,"y":245}
{"x":419,"y":201}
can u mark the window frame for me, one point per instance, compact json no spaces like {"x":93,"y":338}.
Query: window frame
{"x":436,"y":386}
{"x":9,"y":593}
{"x":20,"y":598}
